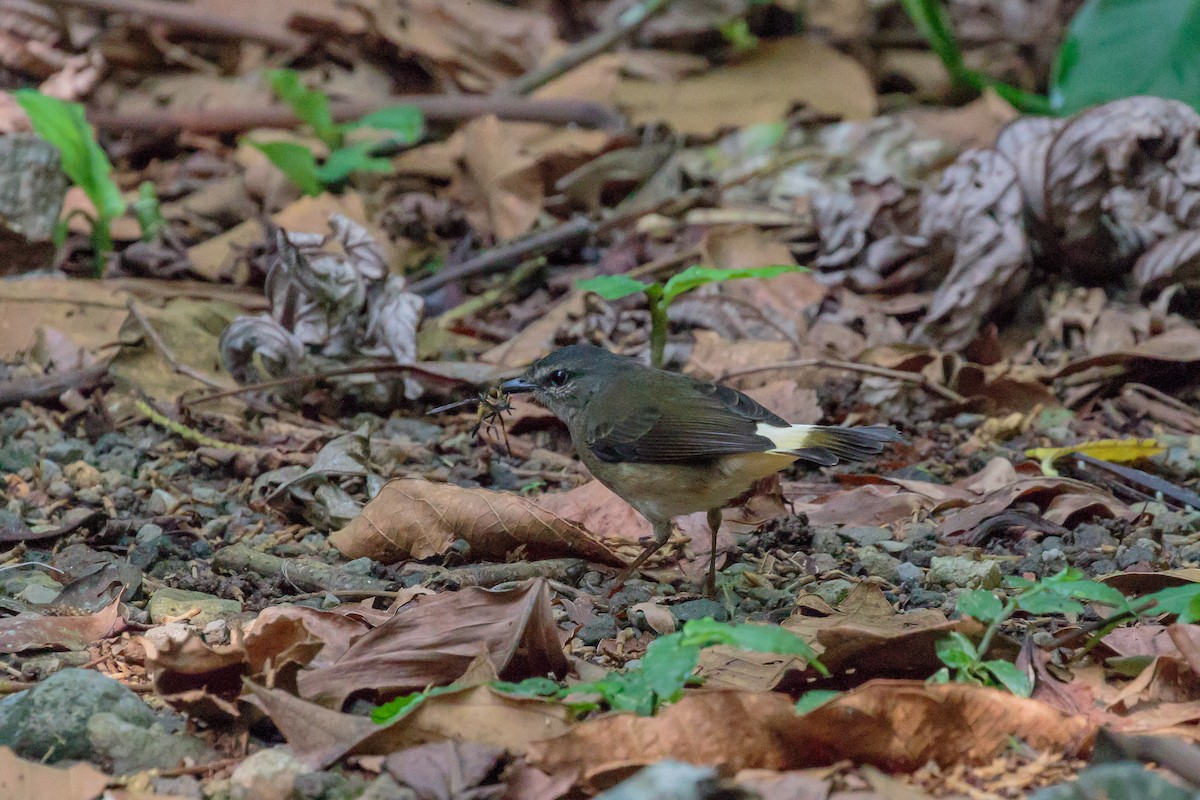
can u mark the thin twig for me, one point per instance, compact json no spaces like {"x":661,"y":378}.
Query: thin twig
{"x":186,"y":18}
{"x":48,"y":387}
{"x":436,"y":108}
{"x":513,"y":253}
{"x":630,"y":21}
{"x":850,"y":366}
{"x":1063,"y":639}
{"x":348,"y":593}
{"x":164,"y":351}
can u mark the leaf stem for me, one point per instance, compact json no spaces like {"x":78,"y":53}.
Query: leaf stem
{"x":658,"y":325}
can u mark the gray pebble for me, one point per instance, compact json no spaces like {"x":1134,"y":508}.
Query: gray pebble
{"x":699,"y":609}
{"x":866,"y":535}
{"x":603,"y":626}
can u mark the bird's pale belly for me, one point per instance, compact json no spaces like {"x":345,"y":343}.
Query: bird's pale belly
{"x":665,"y":491}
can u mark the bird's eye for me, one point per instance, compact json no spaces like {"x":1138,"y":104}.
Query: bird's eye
{"x":557,"y":378}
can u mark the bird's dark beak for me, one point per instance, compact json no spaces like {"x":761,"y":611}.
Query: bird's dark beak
{"x":516,"y":386}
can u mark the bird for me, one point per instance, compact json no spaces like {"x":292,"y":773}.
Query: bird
{"x":670,"y":444}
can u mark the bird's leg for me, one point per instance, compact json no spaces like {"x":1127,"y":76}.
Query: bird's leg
{"x":662,"y":532}
{"x":714,"y":524}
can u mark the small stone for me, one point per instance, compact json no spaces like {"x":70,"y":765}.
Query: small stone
{"x":876,"y":562}
{"x":385,"y":788}
{"x":822,"y":562}
{"x":91,"y":496}
{"x":1089,"y":536}
{"x":964,"y":572}
{"x":866,"y":535}
{"x":82,"y":475}
{"x":1135,"y":555}
{"x":168,"y":602}
{"x":359,"y":566}
{"x":148,"y":533}
{"x":38,"y":595}
{"x":206,"y":495}
{"x":699,"y":609}
{"x":66,"y":451}
{"x":909,"y":573}
{"x":1053,"y":554}
{"x":832,"y":591}
{"x":267,"y":775}
{"x":603,"y":626}
{"x":127,"y":748}
{"x":49,"y":722}
{"x":59,"y":490}
{"x":892,"y":546}
{"x":162,"y":503}
{"x":826,"y":540}
{"x":966,"y":420}
{"x":50,"y":470}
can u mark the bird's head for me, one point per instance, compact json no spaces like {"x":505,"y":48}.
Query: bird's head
{"x":566,"y":379}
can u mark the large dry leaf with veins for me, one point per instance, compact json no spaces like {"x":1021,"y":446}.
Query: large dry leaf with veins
{"x":321,"y":736}
{"x":898,"y":726}
{"x":432,"y":641}
{"x":863,"y":634}
{"x":29,"y":780}
{"x":33,"y":631}
{"x":412,"y":518}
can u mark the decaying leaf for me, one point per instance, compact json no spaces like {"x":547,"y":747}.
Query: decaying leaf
{"x":894,"y":725}
{"x":1120,"y":451}
{"x":433,"y":640}
{"x":413,"y":518}
{"x":321,"y":736}
{"x":34,"y":631}
{"x":30,"y":780}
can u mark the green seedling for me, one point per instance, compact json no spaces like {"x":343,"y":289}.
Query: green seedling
{"x":148,"y":211}
{"x":661,"y":295}
{"x":1113,"y":49}
{"x":965,"y":661}
{"x":668,"y":667}
{"x":85,"y":163}
{"x":405,"y":123}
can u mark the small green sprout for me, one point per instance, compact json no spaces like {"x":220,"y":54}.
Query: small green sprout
{"x":661,"y":295}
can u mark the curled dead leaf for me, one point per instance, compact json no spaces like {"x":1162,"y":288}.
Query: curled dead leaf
{"x":413,"y":518}
{"x":432,"y":641}
{"x":898,"y":726}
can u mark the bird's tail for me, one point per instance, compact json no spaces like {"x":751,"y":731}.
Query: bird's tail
{"x":827,"y":444}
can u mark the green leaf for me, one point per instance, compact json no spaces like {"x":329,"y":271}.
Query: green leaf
{"x":530,"y":687}
{"x":933,"y":23}
{"x":311,"y":106}
{"x":1121,"y":48}
{"x":956,"y":651}
{"x":1090,"y":591}
{"x":1183,"y":601}
{"x":401,"y":706}
{"x":757,"y":638}
{"x":405,"y":121}
{"x":980,"y":604}
{"x":347,"y":160}
{"x":65,"y":126}
{"x":1045,"y":602}
{"x":612,"y":287}
{"x":814,"y":698}
{"x":941,"y":676}
{"x":696,"y":276}
{"x":1008,"y":676}
{"x":148,"y":211}
{"x":296,"y":162}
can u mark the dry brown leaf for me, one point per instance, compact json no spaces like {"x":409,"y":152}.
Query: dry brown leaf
{"x":777,"y":76}
{"x":500,"y":186}
{"x":30,"y":630}
{"x":29,"y":780}
{"x":897,"y":726}
{"x":216,"y":258}
{"x":1175,"y":259}
{"x":321,"y":736}
{"x":863,"y":634}
{"x":1062,"y":500}
{"x":447,"y":770}
{"x":1152,"y":360}
{"x":977,"y":124}
{"x":536,"y":339}
{"x":714,"y":356}
{"x":863,"y":505}
{"x":412,"y":518}
{"x":433,"y":640}
{"x":1136,"y":584}
{"x":594,"y":507}
{"x":88,"y":313}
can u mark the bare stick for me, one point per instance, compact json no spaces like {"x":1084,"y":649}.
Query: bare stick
{"x":164,"y":351}
{"x":513,"y":253}
{"x":437,"y":108}
{"x":184,"y":18}
{"x":850,"y":366}
{"x":627,"y":24}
